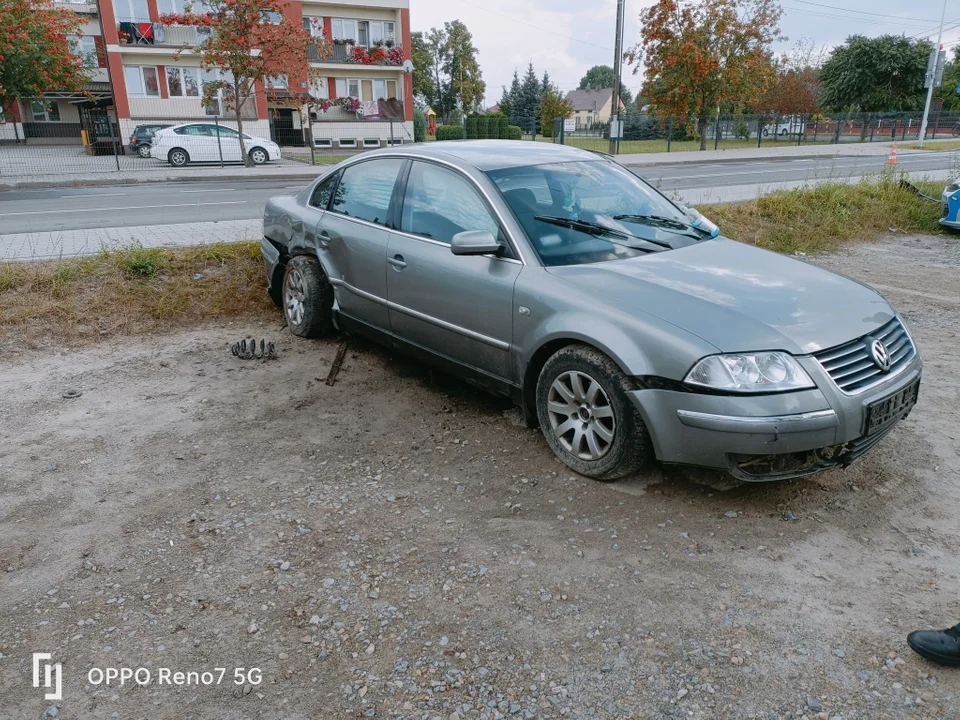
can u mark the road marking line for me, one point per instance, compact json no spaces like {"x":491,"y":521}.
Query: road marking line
{"x":135,"y":207}
{"x":81,"y":195}
{"x":192,"y":192}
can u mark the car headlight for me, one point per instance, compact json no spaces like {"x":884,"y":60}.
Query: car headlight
{"x":749,"y":373}
{"x":952,"y":188}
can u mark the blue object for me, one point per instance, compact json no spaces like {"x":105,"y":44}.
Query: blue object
{"x":950,"y":206}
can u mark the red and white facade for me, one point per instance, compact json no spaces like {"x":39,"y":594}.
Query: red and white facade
{"x":153,"y":79}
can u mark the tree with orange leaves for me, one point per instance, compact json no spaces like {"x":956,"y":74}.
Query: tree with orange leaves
{"x":36,"y":55}
{"x":702,"y":54}
{"x":251,"y":42}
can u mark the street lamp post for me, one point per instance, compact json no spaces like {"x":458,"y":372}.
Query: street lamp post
{"x":936,"y":55}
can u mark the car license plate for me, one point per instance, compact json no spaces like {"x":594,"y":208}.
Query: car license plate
{"x":883,"y":413}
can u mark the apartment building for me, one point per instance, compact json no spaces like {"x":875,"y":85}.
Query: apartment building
{"x":153,"y":80}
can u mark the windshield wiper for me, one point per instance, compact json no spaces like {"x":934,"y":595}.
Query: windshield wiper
{"x":592,"y":228}
{"x":659,"y":221}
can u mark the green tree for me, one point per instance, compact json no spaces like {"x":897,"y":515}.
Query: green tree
{"x":545,"y":83}
{"x":509,"y":97}
{"x":36,"y":55}
{"x":525,"y":105}
{"x":553,"y":104}
{"x":600,"y":77}
{"x":424,"y":88}
{"x":875,"y":74}
{"x":951,"y":80}
{"x":705,"y":53}
{"x":461,"y":66}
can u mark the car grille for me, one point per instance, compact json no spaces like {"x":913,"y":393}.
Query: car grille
{"x":851,"y":367}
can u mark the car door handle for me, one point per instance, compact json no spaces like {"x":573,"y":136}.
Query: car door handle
{"x":324,"y":237}
{"x":397,"y":261}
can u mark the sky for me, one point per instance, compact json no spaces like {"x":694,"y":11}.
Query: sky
{"x":567,"y":37}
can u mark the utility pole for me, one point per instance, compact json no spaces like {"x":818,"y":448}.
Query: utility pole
{"x":936,"y":54}
{"x":113,"y":92}
{"x":617,"y":65}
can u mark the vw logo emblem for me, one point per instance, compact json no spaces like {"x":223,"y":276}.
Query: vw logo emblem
{"x":880,"y":355}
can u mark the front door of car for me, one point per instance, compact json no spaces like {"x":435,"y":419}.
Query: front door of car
{"x":229,"y":144}
{"x":459,"y":306}
{"x":352,"y":239}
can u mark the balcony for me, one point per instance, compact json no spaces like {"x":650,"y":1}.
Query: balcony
{"x":146,"y":32}
{"x":346,"y":53}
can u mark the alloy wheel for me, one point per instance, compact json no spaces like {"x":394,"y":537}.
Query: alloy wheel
{"x":294,"y":296}
{"x":143,"y":150}
{"x":259,"y":157}
{"x":581,"y":415}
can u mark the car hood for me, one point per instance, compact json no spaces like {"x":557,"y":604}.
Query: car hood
{"x":738,"y":297}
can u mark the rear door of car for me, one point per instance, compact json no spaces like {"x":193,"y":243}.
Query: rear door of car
{"x":458,"y":306}
{"x":195,"y":139}
{"x":352,"y":238}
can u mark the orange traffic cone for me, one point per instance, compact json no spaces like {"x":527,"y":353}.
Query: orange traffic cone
{"x":892,"y":157}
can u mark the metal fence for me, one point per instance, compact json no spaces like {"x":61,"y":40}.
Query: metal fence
{"x":94,"y":142}
{"x":649,"y":133}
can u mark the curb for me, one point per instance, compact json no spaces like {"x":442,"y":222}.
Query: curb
{"x":41,"y":184}
{"x":760,"y":158}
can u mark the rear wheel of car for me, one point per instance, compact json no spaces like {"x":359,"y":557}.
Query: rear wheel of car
{"x":143,"y":150}
{"x":307,"y":298}
{"x":586,"y":416}
{"x":259,"y":156}
{"x":178,"y":157}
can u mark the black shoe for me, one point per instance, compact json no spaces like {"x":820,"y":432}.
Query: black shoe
{"x":939,"y":646}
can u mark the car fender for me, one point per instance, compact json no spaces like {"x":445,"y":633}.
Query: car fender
{"x":283,"y":225}
{"x":640,"y":345}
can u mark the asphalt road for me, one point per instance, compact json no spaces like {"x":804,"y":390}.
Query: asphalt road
{"x":57,"y":209}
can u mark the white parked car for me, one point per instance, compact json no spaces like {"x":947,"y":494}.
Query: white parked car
{"x":207,"y":142}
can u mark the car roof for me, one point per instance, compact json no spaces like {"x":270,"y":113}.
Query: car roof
{"x":488,"y":155}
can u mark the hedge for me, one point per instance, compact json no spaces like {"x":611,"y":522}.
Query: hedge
{"x":483,"y":127}
{"x":503,"y":131}
{"x":449,"y":132}
{"x":419,"y":125}
{"x":471,"y":123}
{"x":514,"y":133}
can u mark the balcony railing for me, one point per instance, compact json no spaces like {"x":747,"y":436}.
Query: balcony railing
{"x":344,"y":53}
{"x":146,"y":32}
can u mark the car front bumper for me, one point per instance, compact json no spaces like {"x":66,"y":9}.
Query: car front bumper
{"x":767,"y":437}
{"x":950,"y":210}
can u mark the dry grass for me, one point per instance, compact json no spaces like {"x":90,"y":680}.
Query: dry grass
{"x":935,"y":145}
{"x":819,"y":219}
{"x":130,"y":291}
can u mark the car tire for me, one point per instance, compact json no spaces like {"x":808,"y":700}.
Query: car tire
{"x":593,"y":427}
{"x":178,"y":157}
{"x":766,"y":132}
{"x":258,"y":156}
{"x":143,"y":150}
{"x":307,"y":298}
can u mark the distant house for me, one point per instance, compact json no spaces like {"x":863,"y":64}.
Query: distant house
{"x":592,"y":107}
{"x":493,"y":109}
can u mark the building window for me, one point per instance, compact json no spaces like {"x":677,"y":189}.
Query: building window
{"x":142,"y":80}
{"x":272,"y":18}
{"x":366,"y":90}
{"x":313,"y":25}
{"x":277,"y":83}
{"x":348,"y":88}
{"x":45,"y":111}
{"x":183,"y":82}
{"x":213,"y":103}
{"x":85,"y":48}
{"x":131,"y":10}
{"x":345,"y":30}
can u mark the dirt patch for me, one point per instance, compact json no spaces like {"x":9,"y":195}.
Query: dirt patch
{"x":399,"y":546}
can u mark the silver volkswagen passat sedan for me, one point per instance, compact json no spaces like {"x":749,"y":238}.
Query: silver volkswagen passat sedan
{"x":621,"y":322}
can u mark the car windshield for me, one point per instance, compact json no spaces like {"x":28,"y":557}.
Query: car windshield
{"x":591,"y":211}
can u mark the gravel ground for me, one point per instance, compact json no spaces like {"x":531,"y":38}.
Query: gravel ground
{"x":400,"y":546}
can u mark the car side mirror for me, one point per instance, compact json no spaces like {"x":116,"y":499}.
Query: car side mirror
{"x":475,"y":242}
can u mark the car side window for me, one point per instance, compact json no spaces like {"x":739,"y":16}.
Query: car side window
{"x":226,"y":132}
{"x":194,"y":130}
{"x":322,"y":192}
{"x":440,"y":203}
{"x":365,"y":190}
